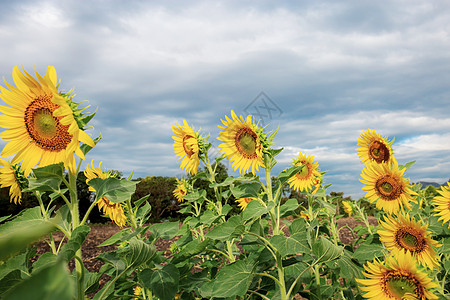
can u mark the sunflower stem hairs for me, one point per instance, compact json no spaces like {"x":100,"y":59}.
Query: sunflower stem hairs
{"x":374,"y":147}
{"x":396,"y":278}
{"x":243,"y":143}
{"x":41,"y":128}
{"x":385,"y":185}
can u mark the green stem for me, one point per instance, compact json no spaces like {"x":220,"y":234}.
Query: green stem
{"x":88,"y":212}
{"x":274,"y":213}
{"x":130,"y":212}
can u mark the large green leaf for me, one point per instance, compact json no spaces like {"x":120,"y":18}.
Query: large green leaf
{"x":288,"y":173}
{"x":190,"y":250}
{"x":228,"y":230}
{"x":325,"y":250}
{"x":208,"y":217}
{"x":48,"y":178}
{"x":137,"y":252}
{"x":165,"y":230}
{"x":288,"y":207}
{"x":76,"y":240}
{"x":349,"y":268}
{"x":163,"y":282}
{"x":116,"y":190}
{"x":298,"y":225}
{"x":369,"y":249}
{"x":232,"y":280}
{"x":290,"y":245}
{"x":254,"y":209}
{"x":52,"y":282}
{"x":247,"y":189}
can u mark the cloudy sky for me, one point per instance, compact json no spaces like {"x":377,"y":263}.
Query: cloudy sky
{"x":325,"y":69}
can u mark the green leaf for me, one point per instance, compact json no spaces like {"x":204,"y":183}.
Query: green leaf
{"x":208,"y":217}
{"x":143,"y":212}
{"x":48,"y":178}
{"x":51,"y":283}
{"x":325,"y":250}
{"x":406,"y":166}
{"x":288,"y":207}
{"x":248,"y":189}
{"x":163,"y":282}
{"x":21,"y":234}
{"x":114,"y":189}
{"x":445,"y":248}
{"x":289,"y":245}
{"x":226,"y":209}
{"x":4,"y":218}
{"x":190,"y":250}
{"x":75,"y":242}
{"x":232,"y":280}
{"x":288,"y":173}
{"x":368,"y":250}
{"x":228,"y":181}
{"x":165,"y":230}
{"x":298,"y":225}
{"x":9,"y":280}
{"x":196,"y":196}
{"x":254,"y":209}
{"x":349,"y":268}
{"x":248,"y":177}
{"x":137,"y":252}
{"x":86,"y":148}
{"x":228,"y":230}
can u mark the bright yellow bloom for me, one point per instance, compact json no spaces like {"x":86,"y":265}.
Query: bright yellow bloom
{"x":308,"y":176}
{"x":113,"y":210}
{"x":243,"y":202}
{"x":242,"y":143}
{"x":442,"y":204}
{"x":396,"y":278}
{"x":374,"y":148}
{"x":385,"y":184}
{"x":11,"y":176}
{"x":137,"y":291}
{"x":304,"y":214}
{"x":404,"y":234}
{"x":186,"y":146}
{"x":348,"y":208}
{"x":181,"y":190}
{"x":41,"y":128}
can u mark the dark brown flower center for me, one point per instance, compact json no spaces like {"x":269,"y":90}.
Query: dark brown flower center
{"x":245,"y":142}
{"x":410,"y":239}
{"x":388,"y":187}
{"x":44,"y":128}
{"x":379,"y":152}
{"x":188,"y":141}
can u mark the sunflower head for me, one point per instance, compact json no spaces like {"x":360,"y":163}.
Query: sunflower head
{"x":374,"y":147}
{"x":384,"y":183}
{"x":41,"y":128}
{"x":189,"y":146}
{"x":404,"y":234}
{"x":442,"y":204}
{"x":181,"y":189}
{"x":396,"y":278}
{"x":304,"y":214}
{"x":113,"y":210}
{"x":13,"y":177}
{"x":243,"y":143}
{"x":348,"y":208}
{"x":243,"y":202}
{"x":308,"y":177}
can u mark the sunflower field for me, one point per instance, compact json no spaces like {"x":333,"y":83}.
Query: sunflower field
{"x":271,"y":249}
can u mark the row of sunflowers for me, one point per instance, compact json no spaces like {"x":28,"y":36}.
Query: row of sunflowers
{"x":267,"y":251}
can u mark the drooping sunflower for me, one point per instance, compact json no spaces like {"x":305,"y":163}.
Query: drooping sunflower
{"x":442,"y":204}
{"x":180,"y":190}
{"x":308,"y":176}
{"x":41,"y":128}
{"x":404,"y":234}
{"x":243,"y":202}
{"x":373,"y":147}
{"x":113,"y":210}
{"x":348,"y":208}
{"x":384,"y":183}
{"x":242,"y":143}
{"x":187,"y":147}
{"x":396,"y":278}
{"x":13,"y":177}
{"x":304,"y":214}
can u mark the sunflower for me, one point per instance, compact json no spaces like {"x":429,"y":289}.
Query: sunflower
{"x":137,"y":291}
{"x":242,"y":143}
{"x":13,"y":177}
{"x":374,"y":148}
{"x":348,"y":208}
{"x":304,"y":214}
{"x":442,"y":204}
{"x":385,"y":184}
{"x":308,"y":176}
{"x":186,"y":145}
{"x":41,"y":128}
{"x":243,"y":202}
{"x":113,"y":210}
{"x":396,"y":278}
{"x":404,"y":234}
{"x":181,"y":190}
